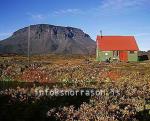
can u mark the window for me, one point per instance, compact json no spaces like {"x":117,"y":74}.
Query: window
{"x":106,"y":53}
{"x":131,"y":52}
{"x":115,"y":53}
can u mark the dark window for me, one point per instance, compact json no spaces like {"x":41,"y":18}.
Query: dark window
{"x":115,"y":53}
{"x":131,"y":52}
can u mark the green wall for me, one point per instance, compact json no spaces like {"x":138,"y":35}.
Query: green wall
{"x":102,"y":57}
{"x":133,"y":57}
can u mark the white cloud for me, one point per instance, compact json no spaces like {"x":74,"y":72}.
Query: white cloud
{"x":106,"y":7}
{"x":122,"y":4}
{"x":67,"y":12}
{"x":4,"y":35}
{"x":60,"y":12}
{"x":142,"y":34}
{"x":37,"y":16}
{"x":119,"y":6}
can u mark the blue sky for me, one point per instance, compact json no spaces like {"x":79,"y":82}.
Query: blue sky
{"x":113,"y":17}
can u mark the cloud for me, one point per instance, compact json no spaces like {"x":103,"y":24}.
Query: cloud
{"x":68,"y":12}
{"x":5,"y":35}
{"x":37,"y":16}
{"x":142,"y":34}
{"x":105,"y":8}
{"x":119,"y":6}
{"x":61,"y":12}
{"x":122,"y":4}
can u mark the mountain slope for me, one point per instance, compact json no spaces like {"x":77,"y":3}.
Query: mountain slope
{"x":49,"y":39}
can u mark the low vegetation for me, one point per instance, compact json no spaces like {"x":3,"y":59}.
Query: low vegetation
{"x":125,"y":89}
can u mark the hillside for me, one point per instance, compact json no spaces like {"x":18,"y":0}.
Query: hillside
{"x":49,"y":39}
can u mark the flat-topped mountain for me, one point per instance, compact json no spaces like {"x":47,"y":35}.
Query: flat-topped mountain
{"x":46,"y":38}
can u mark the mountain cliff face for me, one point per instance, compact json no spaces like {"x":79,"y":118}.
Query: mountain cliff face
{"x":46,"y":38}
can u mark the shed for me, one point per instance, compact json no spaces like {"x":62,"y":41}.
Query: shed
{"x":122,"y":48}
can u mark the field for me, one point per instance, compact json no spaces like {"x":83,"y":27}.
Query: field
{"x":117,"y":91}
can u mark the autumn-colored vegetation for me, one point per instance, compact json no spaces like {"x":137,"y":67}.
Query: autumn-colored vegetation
{"x":129,"y":80}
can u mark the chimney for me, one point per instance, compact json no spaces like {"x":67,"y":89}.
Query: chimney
{"x":101,"y":33}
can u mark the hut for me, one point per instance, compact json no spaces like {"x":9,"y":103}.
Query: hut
{"x":122,"y":48}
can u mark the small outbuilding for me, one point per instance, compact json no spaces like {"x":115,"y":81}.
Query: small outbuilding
{"x":122,"y":48}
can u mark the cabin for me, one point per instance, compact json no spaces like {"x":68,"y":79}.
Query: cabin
{"x":120,"y":48}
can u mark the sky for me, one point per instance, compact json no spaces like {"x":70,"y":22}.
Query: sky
{"x":113,"y":17}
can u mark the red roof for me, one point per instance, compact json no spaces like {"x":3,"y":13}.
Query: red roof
{"x":107,"y":43}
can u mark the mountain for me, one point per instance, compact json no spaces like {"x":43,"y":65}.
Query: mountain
{"x":46,"y":38}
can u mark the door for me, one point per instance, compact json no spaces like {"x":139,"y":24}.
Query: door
{"x":123,"y":56}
